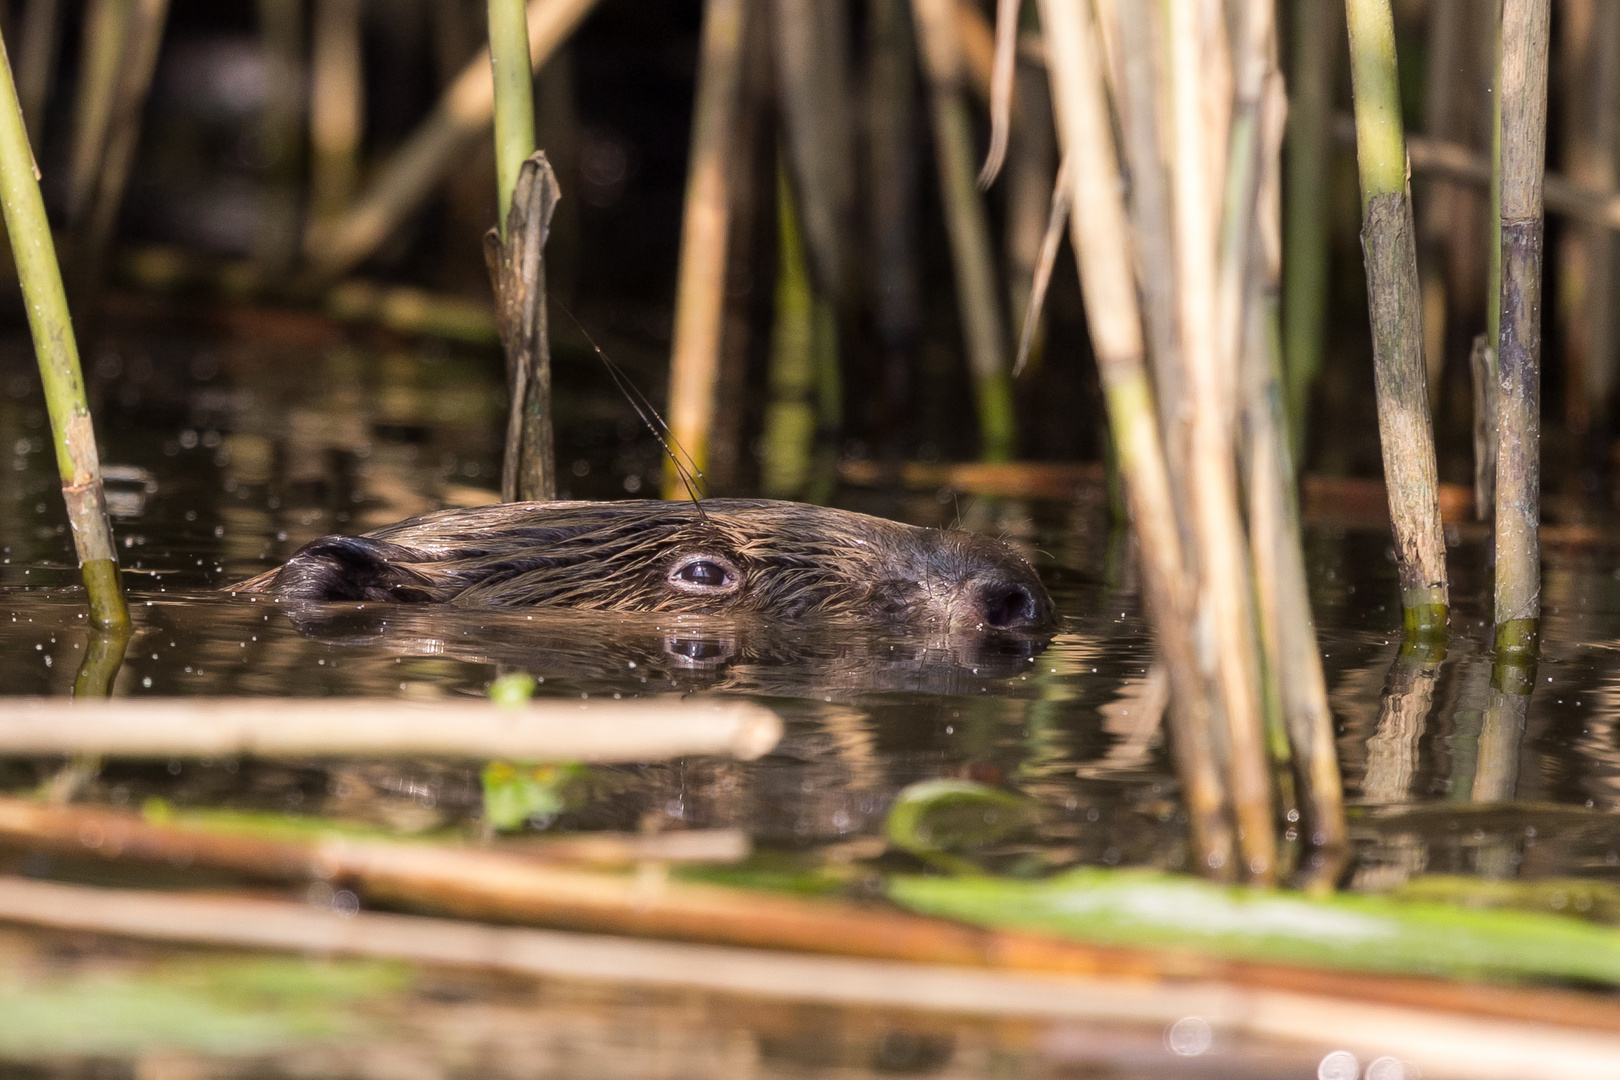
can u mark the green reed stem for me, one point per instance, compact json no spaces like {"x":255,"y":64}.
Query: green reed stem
{"x":1306,"y":261}
{"x":514,"y":97}
{"x":58,"y":355}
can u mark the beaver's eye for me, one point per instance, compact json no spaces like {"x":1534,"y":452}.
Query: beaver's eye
{"x":704,"y":574}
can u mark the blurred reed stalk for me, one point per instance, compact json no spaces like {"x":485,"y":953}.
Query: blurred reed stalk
{"x":1439,"y":200}
{"x":1518,"y":462}
{"x":513,"y":75}
{"x":1225,"y":590}
{"x":123,"y":136}
{"x":1314,"y":51}
{"x":1484,"y":363}
{"x":1101,"y":242}
{"x":892,"y":209}
{"x":790,"y":410}
{"x":54,"y":347}
{"x":1589,"y":67}
{"x":36,"y":67}
{"x":700,"y":291}
{"x":336,"y":107}
{"x":452,"y":131}
{"x":972,"y":257}
{"x":282,"y":35}
{"x":1389,"y":248}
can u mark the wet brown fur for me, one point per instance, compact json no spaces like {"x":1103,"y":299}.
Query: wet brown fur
{"x":781,"y":559}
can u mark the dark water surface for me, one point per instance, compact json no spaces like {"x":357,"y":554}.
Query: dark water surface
{"x":224,"y":456}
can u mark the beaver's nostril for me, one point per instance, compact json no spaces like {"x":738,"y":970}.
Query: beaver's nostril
{"x":1007,"y":606}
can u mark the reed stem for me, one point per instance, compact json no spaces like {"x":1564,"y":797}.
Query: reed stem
{"x":282,"y":31}
{"x":700,"y":291}
{"x":1102,"y":252}
{"x":1395,"y":298}
{"x":513,"y":73}
{"x":58,"y":355}
{"x":459,"y":121}
{"x":336,"y":107}
{"x":36,"y":67}
{"x":1224,"y":581}
{"x":1518,"y":462}
{"x":972,"y":256}
{"x":790,"y":410}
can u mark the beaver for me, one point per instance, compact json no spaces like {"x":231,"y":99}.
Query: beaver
{"x":734,"y":557}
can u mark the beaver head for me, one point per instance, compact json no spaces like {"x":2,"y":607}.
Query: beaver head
{"x":738,"y":557}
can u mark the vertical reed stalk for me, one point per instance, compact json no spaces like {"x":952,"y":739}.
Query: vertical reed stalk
{"x":1439,"y":198}
{"x":336,"y":107}
{"x":790,"y":413}
{"x":972,"y":257}
{"x":1589,"y":67}
{"x":1603,"y":347}
{"x":1395,"y":299}
{"x":106,"y":28}
{"x":36,"y":69}
{"x":513,"y":72}
{"x":812,"y":70}
{"x":1518,"y":462}
{"x":517,"y":270}
{"x":891,"y":109}
{"x":1483,"y":363}
{"x":458,"y":123}
{"x":281,"y":32}
{"x":1101,"y":243}
{"x":1031,"y":168}
{"x":1288,"y":632}
{"x":1155,"y":246}
{"x":1224,"y":587}
{"x":143,"y":38}
{"x":700,"y":296}
{"x":58,"y":355}
{"x":1315,"y":26}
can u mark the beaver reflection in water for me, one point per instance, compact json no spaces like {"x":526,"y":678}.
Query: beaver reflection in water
{"x":738,"y":557}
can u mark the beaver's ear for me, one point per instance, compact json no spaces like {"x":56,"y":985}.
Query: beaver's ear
{"x":353,"y":568}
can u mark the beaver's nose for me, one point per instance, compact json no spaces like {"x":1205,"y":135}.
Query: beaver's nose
{"x":1008,"y":605}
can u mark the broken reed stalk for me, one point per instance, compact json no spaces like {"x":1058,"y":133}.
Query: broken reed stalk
{"x":58,"y":355}
{"x":1315,"y":46}
{"x":1221,"y":550}
{"x":700,"y":283}
{"x":336,"y":107}
{"x":1389,"y":247}
{"x":517,"y":271}
{"x":1518,"y":461}
{"x":972,"y":256}
{"x":513,"y":76}
{"x":458,"y":123}
{"x":1101,"y":241}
